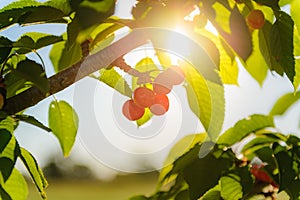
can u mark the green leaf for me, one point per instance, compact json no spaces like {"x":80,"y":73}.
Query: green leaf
{"x":33,"y":72}
{"x":63,"y":56}
{"x":203,"y":174}
{"x":164,"y":58}
{"x":15,"y":84}
{"x":34,"y":40}
{"x":231,"y":187}
{"x":265,"y":48}
{"x":5,"y":48}
{"x":34,"y":171}
{"x":8,"y":158}
{"x":88,"y":16}
{"x":212,"y":194}
{"x":293,"y":189}
{"x":113,"y":79}
{"x":282,"y":44}
{"x":295,"y":7}
{"x":270,"y":3}
{"x":144,"y":65}
{"x":244,"y":127}
{"x":179,"y":149}
{"x":284,"y":103}
{"x":297,"y":77}
{"x":258,"y":142}
{"x":4,"y":195}
{"x":206,"y":100}
{"x":145,"y":118}
{"x":15,"y":186}
{"x":63,"y":122}
{"x":31,"y":120}
{"x":5,"y":137}
{"x":285,"y":166}
{"x":255,"y":64}
{"x":9,"y":124}
{"x":29,"y":11}
{"x":238,"y":29}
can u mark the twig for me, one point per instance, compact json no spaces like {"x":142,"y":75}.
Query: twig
{"x":77,"y":71}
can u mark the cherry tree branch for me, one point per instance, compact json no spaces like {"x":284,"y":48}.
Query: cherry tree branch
{"x":74,"y":73}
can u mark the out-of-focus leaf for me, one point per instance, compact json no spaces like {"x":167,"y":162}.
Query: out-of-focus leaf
{"x":144,"y":65}
{"x":284,"y":103}
{"x":180,"y":148}
{"x":5,"y":137}
{"x":295,"y":7}
{"x":231,"y":187}
{"x":113,"y":79}
{"x":15,"y":186}
{"x":63,"y":122}
{"x":265,"y":48}
{"x":244,"y":127}
{"x":203,"y":174}
{"x":255,"y":64}
{"x":213,"y":193}
{"x":282,"y":46}
{"x":34,"y":171}
{"x":145,"y":118}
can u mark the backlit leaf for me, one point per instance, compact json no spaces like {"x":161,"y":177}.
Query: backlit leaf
{"x":34,"y":40}
{"x":15,"y":186}
{"x":204,"y":174}
{"x":31,"y":120}
{"x":255,"y":64}
{"x":284,"y":103}
{"x":29,"y":11}
{"x":295,"y":7}
{"x":34,"y":171}
{"x":231,"y":187}
{"x":113,"y":79}
{"x":63,"y":122}
{"x":244,"y":127}
{"x":282,"y":33}
{"x":63,"y":56}
{"x":33,"y":72}
{"x":206,"y":100}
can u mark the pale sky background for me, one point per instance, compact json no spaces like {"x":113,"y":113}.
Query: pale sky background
{"x":107,"y":141}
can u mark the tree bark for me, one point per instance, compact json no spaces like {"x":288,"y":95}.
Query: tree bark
{"x":74,"y":73}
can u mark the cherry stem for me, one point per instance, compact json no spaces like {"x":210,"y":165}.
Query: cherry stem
{"x":143,"y":77}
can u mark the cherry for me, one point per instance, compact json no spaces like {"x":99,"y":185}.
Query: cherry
{"x":132,"y":111}
{"x":260,"y":174}
{"x":255,"y":19}
{"x":175,"y":74}
{"x":143,"y":97}
{"x":161,"y":105}
{"x":162,"y":84}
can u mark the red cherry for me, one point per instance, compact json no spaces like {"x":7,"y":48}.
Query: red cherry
{"x":143,"y":97}
{"x":162,"y":84}
{"x":260,"y":174}
{"x":175,"y":74}
{"x":132,"y":111}
{"x":255,"y":19}
{"x":161,"y":105}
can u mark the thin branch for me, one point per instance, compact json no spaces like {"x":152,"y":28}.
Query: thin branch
{"x":67,"y":77}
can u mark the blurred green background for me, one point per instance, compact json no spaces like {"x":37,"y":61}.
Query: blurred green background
{"x":120,"y":188}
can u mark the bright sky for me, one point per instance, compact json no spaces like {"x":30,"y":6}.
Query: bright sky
{"x":106,"y":138}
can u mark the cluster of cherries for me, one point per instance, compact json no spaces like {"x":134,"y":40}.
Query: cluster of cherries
{"x":155,"y":99}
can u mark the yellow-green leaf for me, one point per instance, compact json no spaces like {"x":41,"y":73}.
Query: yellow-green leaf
{"x":15,"y":186}
{"x":34,"y":171}
{"x":63,"y":121}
